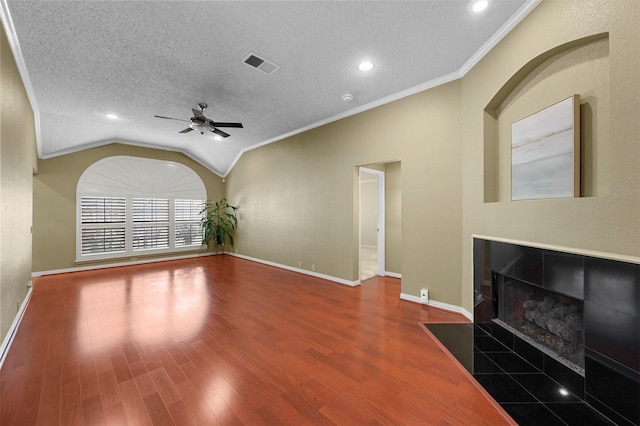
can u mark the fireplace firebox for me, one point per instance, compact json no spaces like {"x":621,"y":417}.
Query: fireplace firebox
{"x":550,"y":321}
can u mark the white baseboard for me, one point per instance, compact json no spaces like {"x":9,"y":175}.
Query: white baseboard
{"x":441,"y":305}
{"x":393,"y":274}
{"x":13,"y":329}
{"x":299,"y":270}
{"x":115,"y":265}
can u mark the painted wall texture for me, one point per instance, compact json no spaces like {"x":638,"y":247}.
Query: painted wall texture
{"x":17,"y":164}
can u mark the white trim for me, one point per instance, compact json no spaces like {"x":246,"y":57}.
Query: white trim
{"x":298,"y":270}
{"x":436,"y":304}
{"x":498,"y":36}
{"x":591,"y":253}
{"x":13,"y":329}
{"x":393,"y":274}
{"x":115,"y":265}
{"x":380,"y":234}
{"x":12,"y":37}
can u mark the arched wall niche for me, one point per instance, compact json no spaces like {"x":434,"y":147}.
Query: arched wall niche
{"x":577,"y":67}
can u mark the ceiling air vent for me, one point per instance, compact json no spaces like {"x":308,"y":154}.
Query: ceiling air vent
{"x":261,"y":64}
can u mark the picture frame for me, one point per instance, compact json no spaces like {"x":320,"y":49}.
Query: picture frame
{"x":545,"y":152}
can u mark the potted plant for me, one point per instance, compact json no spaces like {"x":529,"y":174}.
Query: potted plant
{"x":219,"y":222}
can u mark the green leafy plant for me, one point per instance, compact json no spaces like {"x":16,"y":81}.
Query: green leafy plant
{"x":219,"y":222}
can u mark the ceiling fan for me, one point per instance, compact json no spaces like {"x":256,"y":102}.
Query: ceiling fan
{"x":203,"y":124}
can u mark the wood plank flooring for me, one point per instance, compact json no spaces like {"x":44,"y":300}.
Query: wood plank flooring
{"x":221,"y":340}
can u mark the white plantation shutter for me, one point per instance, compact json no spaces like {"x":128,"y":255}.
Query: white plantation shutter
{"x":103,"y":224}
{"x":188,"y":231}
{"x":129,"y":205}
{"x":150,"y":223}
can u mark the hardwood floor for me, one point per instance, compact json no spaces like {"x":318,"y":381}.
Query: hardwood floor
{"x":221,"y":340}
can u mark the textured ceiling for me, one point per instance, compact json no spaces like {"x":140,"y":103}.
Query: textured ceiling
{"x":136,"y":59}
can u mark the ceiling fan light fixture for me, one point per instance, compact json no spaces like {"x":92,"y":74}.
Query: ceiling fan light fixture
{"x":200,"y":127}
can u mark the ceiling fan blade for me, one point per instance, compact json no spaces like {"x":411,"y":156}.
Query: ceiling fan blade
{"x":220,"y":133}
{"x":187,"y":130}
{"x":216,"y":124}
{"x":198,"y":114}
{"x":170,"y":118}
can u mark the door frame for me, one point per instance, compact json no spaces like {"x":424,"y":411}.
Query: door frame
{"x":381,"y":220}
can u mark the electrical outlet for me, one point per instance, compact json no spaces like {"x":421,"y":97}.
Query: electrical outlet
{"x":300,"y":265}
{"x":424,"y":296}
{"x":18,"y":306}
{"x":313,"y":268}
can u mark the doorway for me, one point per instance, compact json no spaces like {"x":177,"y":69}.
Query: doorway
{"x":372,"y":223}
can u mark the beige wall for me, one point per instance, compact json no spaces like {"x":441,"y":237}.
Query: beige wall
{"x":54,"y":226}
{"x":296,"y":196}
{"x":605,"y":73}
{"x":17,"y":163}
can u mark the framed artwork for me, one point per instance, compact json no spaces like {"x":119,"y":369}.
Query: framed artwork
{"x":545,"y":153}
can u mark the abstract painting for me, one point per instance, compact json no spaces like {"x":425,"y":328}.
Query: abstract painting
{"x":545,"y":153}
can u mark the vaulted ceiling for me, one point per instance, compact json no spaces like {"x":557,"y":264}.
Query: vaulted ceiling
{"x":83,"y":60}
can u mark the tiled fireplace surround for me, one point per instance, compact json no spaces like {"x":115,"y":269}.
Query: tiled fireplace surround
{"x":611,"y":293}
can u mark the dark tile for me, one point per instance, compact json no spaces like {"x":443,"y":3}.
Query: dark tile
{"x":480,"y":252}
{"x":488,"y":344}
{"x":527,"y":351}
{"x":532,"y":414}
{"x":559,"y":372}
{"x":503,"y":335}
{"x":613,"y":334}
{"x":482,"y":293}
{"x":564,"y":273}
{"x":545,"y":389}
{"x":501,"y":257}
{"x":483,"y":365}
{"x":578,"y":414}
{"x":511,"y":363}
{"x":613,"y":389}
{"x":455,"y":337}
{"x":613,"y":284}
{"x":616,"y":418}
{"x":503,"y":388}
{"x":528,"y":264}
{"x":465,"y":359}
{"x":482,"y":329}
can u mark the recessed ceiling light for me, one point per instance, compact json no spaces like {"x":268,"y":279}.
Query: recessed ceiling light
{"x":112,"y":116}
{"x":478,"y":5}
{"x":365,"y":66}
{"x":347,"y":97}
{"x":217,"y":137}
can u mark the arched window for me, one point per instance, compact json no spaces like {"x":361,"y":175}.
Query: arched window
{"x":128,"y":206}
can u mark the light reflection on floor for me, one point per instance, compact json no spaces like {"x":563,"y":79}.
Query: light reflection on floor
{"x":148,"y":309}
